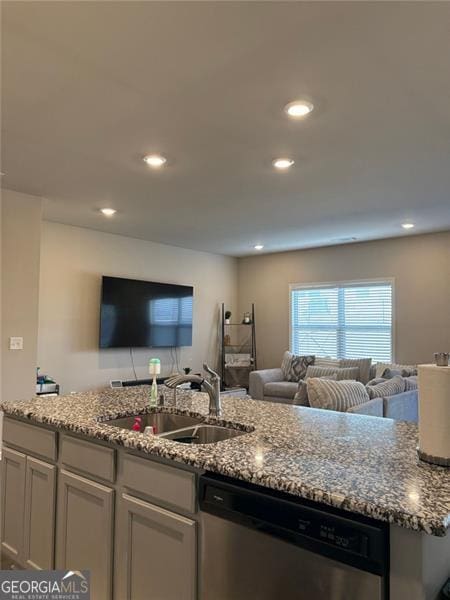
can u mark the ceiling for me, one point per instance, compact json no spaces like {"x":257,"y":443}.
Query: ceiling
{"x":88,"y":88}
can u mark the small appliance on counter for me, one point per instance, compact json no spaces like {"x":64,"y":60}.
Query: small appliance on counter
{"x":45,"y":385}
{"x":434,"y":414}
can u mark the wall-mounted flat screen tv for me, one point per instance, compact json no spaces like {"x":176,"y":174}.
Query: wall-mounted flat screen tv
{"x":137,"y":314}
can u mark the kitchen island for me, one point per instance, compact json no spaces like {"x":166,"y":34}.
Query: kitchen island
{"x":363,"y":465}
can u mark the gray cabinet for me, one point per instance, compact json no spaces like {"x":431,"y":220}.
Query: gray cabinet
{"x":12,"y":505}
{"x":155,"y":553}
{"x":28,"y":509}
{"x":84,"y":530}
{"x":39,"y":515}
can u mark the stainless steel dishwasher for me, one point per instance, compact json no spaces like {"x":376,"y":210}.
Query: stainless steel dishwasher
{"x":262,"y":545}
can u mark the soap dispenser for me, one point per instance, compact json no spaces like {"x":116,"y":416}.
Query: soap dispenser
{"x":154,"y":368}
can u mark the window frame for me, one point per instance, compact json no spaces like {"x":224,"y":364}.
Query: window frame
{"x":343,"y":283}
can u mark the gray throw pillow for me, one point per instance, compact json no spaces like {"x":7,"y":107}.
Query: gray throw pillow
{"x":390,"y":373}
{"x":405,"y":369}
{"x":390,"y":387}
{"x":294,"y":366}
{"x":336,"y":395}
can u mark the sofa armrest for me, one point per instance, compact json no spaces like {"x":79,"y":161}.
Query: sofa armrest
{"x":372,"y":408}
{"x":258,"y":380}
{"x":402,"y":407}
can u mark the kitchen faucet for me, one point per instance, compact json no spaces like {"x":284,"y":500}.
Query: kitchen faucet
{"x":211,"y":386}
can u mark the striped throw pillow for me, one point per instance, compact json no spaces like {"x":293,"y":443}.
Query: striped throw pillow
{"x":326,"y":361}
{"x":410,"y":383}
{"x":363,"y":364}
{"x":318,"y":371}
{"x":336,"y":395}
{"x":390,"y":387}
{"x":340,"y":373}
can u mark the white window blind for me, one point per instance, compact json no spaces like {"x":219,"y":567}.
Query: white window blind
{"x":343,"y":320}
{"x":167,"y":311}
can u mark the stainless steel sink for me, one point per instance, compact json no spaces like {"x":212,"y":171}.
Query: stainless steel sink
{"x":161,"y":421}
{"x":202,"y":434}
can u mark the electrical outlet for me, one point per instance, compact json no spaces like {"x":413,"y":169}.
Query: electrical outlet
{"x":16,"y":343}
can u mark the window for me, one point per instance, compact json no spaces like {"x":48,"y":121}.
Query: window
{"x":348,"y":320}
{"x":167,"y":311}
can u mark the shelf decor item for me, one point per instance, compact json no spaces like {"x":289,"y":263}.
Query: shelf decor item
{"x":154,"y":368}
{"x":441,"y":359}
{"x":227,"y":317}
{"x":434,"y":414}
{"x":247,"y":320}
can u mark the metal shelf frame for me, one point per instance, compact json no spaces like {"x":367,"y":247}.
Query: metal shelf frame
{"x":249,"y":345}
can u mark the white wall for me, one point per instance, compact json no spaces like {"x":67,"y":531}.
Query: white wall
{"x":420,"y":266}
{"x":21,"y":233}
{"x":72,"y":263}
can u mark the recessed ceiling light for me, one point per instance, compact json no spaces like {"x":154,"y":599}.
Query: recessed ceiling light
{"x":259,"y":246}
{"x":155,"y":160}
{"x":108,"y":212}
{"x":282,"y":163}
{"x":408,"y":225}
{"x":298,"y":109}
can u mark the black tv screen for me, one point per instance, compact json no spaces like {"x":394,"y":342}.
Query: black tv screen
{"x":138,"y":314}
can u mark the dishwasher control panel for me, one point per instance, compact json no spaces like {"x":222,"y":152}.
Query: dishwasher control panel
{"x":358,"y":541}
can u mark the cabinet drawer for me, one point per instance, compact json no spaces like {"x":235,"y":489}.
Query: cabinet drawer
{"x":161,"y":482}
{"x":88,"y":457}
{"x":33,"y":439}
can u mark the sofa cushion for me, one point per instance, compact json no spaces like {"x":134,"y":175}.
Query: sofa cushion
{"x":340,"y":373}
{"x":281,"y":389}
{"x":390,"y":387}
{"x":335,"y":395}
{"x":294,"y":366}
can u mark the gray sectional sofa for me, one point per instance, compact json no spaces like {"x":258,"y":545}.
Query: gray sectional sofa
{"x":269,"y":385}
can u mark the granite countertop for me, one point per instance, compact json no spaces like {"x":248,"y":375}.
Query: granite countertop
{"x":365,"y":465}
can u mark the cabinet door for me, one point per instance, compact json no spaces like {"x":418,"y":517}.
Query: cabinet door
{"x":39,"y":521}
{"x":84,"y":529}
{"x":156,"y":553}
{"x":13,"y":492}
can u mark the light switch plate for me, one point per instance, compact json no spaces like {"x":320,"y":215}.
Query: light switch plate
{"x":16,"y":343}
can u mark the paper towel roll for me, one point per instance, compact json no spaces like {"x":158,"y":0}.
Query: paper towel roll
{"x":434,"y":414}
